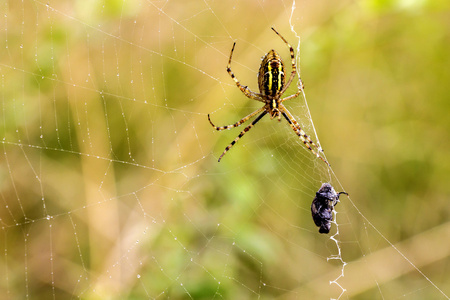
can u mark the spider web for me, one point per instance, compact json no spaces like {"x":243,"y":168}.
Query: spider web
{"x":110,"y":182}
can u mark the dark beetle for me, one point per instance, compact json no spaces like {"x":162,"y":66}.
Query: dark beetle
{"x":322,"y":207}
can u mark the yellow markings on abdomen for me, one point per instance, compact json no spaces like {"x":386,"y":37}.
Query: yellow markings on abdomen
{"x":269,"y":71}
{"x":271,"y":74}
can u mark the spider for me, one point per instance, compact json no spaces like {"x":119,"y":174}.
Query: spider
{"x":272,"y":85}
{"x":323,"y":205}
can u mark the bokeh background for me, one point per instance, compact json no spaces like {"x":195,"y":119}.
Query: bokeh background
{"x":110,"y":186}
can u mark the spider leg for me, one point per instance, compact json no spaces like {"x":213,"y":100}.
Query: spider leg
{"x":247,"y":92}
{"x":299,"y":91}
{"x":303,"y":136}
{"x":291,"y":96}
{"x":244,"y":119}
{"x":242,"y":133}
{"x":294,"y":67}
{"x":297,"y":127}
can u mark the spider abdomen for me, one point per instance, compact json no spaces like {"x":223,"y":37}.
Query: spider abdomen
{"x":271,"y":76}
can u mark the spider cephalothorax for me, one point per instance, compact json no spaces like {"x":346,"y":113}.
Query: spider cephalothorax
{"x":272,"y":85}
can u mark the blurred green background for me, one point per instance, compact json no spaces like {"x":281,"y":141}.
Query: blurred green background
{"x":110,"y":186}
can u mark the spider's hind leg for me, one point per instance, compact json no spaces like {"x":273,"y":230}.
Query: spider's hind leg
{"x":244,"y":89}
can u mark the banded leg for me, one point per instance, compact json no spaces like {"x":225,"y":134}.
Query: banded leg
{"x":292,"y":120}
{"x":301,"y":87}
{"x":237,"y":123}
{"x":246,"y":129}
{"x":291,"y":96}
{"x":294,"y":66}
{"x":247,"y":92}
{"x":303,"y":136}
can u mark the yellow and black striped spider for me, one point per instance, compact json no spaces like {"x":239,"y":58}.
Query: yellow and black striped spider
{"x":271,"y":81}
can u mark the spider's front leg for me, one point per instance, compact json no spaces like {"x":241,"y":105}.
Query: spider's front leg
{"x":246,"y":129}
{"x":302,"y":134}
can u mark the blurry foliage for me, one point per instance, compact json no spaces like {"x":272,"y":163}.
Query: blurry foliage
{"x":376,"y":76}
